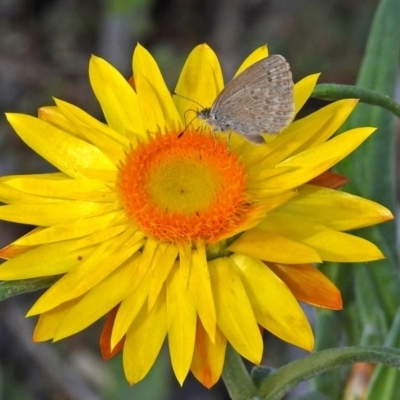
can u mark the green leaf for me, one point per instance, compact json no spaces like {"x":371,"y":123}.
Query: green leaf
{"x":313,"y":396}
{"x":126,"y":6}
{"x":328,"y":335}
{"x":371,"y":173}
{"x":371,"y":168}
{"x":290,"y":375}
{"x":369,"y":308}
{"x":378,"y":72}
{"x":385,"y":382}
{"x":352,"y":324}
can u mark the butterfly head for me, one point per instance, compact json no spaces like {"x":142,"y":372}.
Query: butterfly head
{"x":204,"y":114}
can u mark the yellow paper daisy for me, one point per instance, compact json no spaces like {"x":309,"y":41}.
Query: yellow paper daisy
{"x":177,"y":236}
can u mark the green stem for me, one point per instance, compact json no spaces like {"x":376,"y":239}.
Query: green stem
{"x":14,"y":288}
{"x":236,"y":378}
{"x":332,"y":91}
{"x":290,"y":375}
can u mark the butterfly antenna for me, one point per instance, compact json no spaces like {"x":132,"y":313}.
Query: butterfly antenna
{"x":187,"y":124}
{"x":186,"y":98}
{"x":193,"y":101}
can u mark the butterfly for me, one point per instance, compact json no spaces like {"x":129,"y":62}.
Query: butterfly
{"x":258,"y":100}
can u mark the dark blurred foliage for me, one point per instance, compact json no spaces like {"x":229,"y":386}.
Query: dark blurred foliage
{"x":45,"y":46}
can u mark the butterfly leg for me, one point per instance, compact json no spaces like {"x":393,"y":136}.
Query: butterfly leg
{"x":228,"y":138}
{"x":215,"y":138}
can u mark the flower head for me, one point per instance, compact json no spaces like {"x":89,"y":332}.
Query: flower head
{"x":174,"y":235}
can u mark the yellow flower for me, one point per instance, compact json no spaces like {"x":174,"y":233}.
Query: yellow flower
{"x":175,"y":236}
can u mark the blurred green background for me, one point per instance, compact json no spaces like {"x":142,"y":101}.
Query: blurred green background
{"x":45,"y":46}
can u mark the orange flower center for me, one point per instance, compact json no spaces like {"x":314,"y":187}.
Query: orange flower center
{"x":184,"y":188}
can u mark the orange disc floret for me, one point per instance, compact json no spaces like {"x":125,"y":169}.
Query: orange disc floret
{"x":184,"y":187}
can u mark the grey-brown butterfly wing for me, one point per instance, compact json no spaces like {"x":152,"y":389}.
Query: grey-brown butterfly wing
{"x":259,"y":100}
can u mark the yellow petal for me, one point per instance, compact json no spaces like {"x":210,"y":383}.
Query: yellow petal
{"x":145,"y":64}
{"x":303,"y":90}
{"x":10,"y":195}
{"x":53,"y":116}
{"x":271,"y":246}
{"x":235,"y":315}
{"x":182,"y":318}
{"x":330,"y":244}
{"x":97,"y":302}
{"x":47,"y":260}
{"x":274,"y":201}
{"x":273,"y":303}
{"x":200,"y":80}
{"x":48,"y":214}
{"x":146,"y":262}
{"x":312,"y":162}
{"x":111,"y":143}
{"x":92,"y":270}
{"x":166,"y":256}
{"x":256,"y":55}
{"x":12,"y":250}
{"x":208,"y":356}
{"x":199,"y":284}
{"x":61,"y":187}
{"x":48,"y":322}
{"x":150,"y":107}
{"x":72,"y":230}
{"x":129,"y":309}
{"x":309,"y":285}
{"x":67,"y":153}
{"x":335,"y":209}
{"x":118,"y":100}
{"x":144,"y":340}
{"x":104,"y":235}
{"x":322,"y":123}
{"x":185,"y":260}
{"x":309,"y":131}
